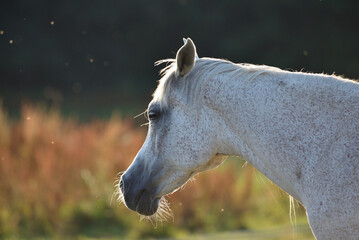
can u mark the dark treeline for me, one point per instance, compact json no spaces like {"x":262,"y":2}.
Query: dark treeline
{"x":99,"y":55}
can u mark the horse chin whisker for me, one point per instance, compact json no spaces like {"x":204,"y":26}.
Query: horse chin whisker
{"x":164,"y":210}
{"x":117,"y":193}
{"x":163,"y":213}
{"x":118,"y":176}
{"x":183,"y":186}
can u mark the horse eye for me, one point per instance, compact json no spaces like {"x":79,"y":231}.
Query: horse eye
{"x":152,"y":115}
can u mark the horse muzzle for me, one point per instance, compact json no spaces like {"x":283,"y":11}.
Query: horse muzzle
{"x":138,"y":198}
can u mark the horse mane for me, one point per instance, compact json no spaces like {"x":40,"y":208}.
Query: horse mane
{"x":207,"y":69}
{"x":204,"y":70}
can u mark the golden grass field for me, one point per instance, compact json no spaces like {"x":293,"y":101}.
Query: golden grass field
{"x":57,"y":179}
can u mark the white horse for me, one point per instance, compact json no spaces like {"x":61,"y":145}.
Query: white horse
{"x":300,"y":130}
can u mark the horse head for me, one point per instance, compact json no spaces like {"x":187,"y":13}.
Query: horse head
{"x":183,"y":137}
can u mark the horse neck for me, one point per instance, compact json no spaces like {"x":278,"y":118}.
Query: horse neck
{"x":254,"y":111}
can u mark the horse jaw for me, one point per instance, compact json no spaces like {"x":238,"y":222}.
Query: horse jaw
{"x":215,"y":161}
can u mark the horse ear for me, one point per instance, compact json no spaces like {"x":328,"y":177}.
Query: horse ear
{"x":186,"y":57}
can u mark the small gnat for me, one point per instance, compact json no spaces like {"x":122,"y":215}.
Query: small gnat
{"x":1,"y":32}
{"x":28,"y":118}
{"x":52,"y":142}
{"x":11,"y":41}
{"x":52,"y":22}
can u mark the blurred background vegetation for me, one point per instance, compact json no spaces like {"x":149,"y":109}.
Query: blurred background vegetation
{"x":74,"y":73}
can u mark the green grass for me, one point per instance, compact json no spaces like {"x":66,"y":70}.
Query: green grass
{"x":299,"y":232}
{"x":302,"y":232}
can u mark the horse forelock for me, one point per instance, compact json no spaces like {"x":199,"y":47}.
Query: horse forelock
{"x":168,"y":74}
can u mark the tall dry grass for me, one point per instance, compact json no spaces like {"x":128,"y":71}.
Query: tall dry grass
{"x":57,"y":178}
{"x":47,"y":162}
